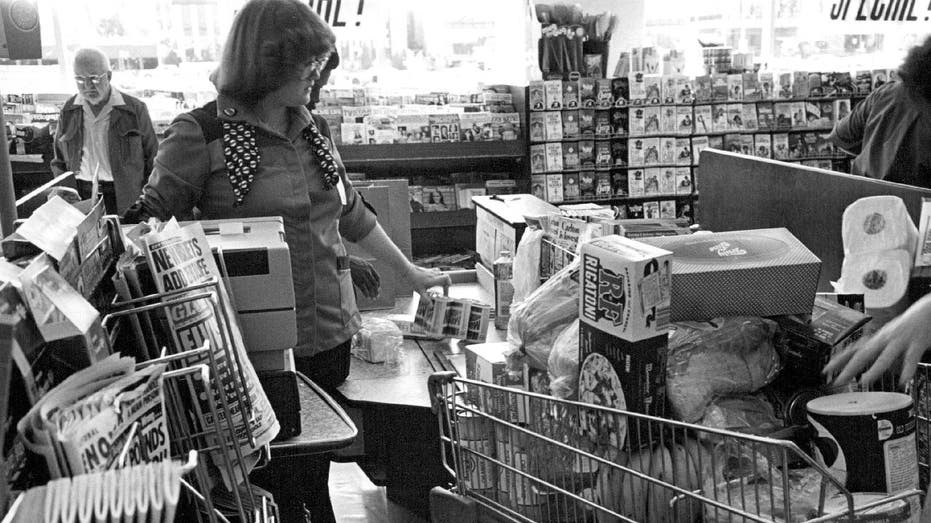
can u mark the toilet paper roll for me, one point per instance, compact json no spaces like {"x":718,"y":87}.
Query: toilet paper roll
{"x":878,"y":223}
{"x":882,"y":277}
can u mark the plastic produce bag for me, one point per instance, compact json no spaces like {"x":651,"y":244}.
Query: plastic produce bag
{"x":563,"y":363}
{"x":724,"y":356}
{"x":747,"y":414}
{"x":527,"y":264}
{"x":538,"y":319}
{"x":379,"y":340}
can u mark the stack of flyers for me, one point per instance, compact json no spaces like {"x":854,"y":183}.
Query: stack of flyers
{"x":765,"y":81}
{"x":635,"y":152}
{"x":570,"y":125}
{"x":653,"y":85}
{"x":764,"y":116}
{"x":554,"y":188}
{"x":683,"y":180}
{"x":719,"y":91}
{"x":668,"y":123}
{"x":538,"y":158}
{"x":667,"y":209}
{"x":684,"y":93}
{"x":684,"y":119}
{"x":602,"y":123}
{"x":635,"y":187}
{"x":587,"y":122}
{"x":781,"y":146}
{"x":604,"y":98}
{"x":719,"y":118}
{"x":472,"y":126}
{"x":587,"y":154}
{"x":587,"y":185}
{"x":704,"y":119}
{"x":816,"y":87}
{"x":619,"y":152}
{"x":762,"y":145}
{"x":619,"y":183}
{"x":638,"y":91}
{"x":552,"y":90}
{"x":651,"y":151}
{"x":570,"y":186}
{"x":651,"y":210}
{"x":784,"y":92}
{"x":413,"y":128}
{"x":748,"y":113}
{"x":603,"y":154}
{"x":751,"y":87}
{"x":683,"y":151}
{"x":841,"y":109}
{"x":667,"y":180}
{"x":587,"y":95}
{"x":504,"y":126}
{"x":570,"y":94}
{"x":783,"y":115}
{"x":667,"y":150}
{"x":603,"y":185}
{"x":703,"y":89}
{"x":800,"y":86}
{"x":651,"y":178}
{"x":637,"y":122}
{"x":735,"y":117}
{"x":444,"y":128}
{"x":669,"y":91}
{"x":620,"y":91}
{"x":570,"y":156}
{"x":553,"y":125}
{"x":746,"y":144}
{"x":651,"y":115}
{"x":619,"y":121}
{"x":352,"y":133}
{"x":537,"y":127}
{"x":537,"y":95}
{"x":827,"y":113}
{"x":442,"y":316}
{"x":554,"y":157}
{"x":735,"y":88}
{"x":699,"y":144}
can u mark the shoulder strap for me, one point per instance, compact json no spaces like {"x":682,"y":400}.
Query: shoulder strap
{"x":206,"y":117}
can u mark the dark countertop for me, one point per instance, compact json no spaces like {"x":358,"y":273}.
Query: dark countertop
{"x":324,"y":424}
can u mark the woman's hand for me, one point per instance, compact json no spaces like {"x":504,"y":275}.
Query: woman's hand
{"x":424,"y":279}
{"x":904,"y":339}
{"x":364,"y":277}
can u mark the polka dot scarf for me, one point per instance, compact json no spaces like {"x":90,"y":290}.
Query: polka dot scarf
{"x":242,"y":156}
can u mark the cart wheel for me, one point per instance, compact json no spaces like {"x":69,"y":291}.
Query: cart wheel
{"x":448,"y":507}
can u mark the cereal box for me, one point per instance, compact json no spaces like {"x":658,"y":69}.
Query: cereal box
{"x":604,"y":98}
{"x":554,"y":96}
{"x":587,"y":153}
{"x":587,"y":94}
{"x":619,"y":183}
{"x":619,"y":152}
{"x":553,"y":125}
{"x":620,"y":91}
{"x":619,"y":121}
{"x":554,"y":188}
{"x":554,"y":157}
{"x":637,"y":121}
{"x":587,"y":122}
{"x":602,"y":123}
{"x":570,"y":124}
{"x":603,"y":153}
{"x":570,"y":186}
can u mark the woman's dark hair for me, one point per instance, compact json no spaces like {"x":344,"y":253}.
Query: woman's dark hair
{"x":915,"y":72}
{"x":268,"y":43}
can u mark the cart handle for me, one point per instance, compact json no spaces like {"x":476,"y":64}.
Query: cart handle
{"x":435,"y":384}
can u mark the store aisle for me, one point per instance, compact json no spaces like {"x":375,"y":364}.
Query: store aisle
{"x":357,"y":500}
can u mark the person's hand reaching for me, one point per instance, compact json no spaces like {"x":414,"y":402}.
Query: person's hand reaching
{"x":422,"y":279}
{"x":364,"y":277}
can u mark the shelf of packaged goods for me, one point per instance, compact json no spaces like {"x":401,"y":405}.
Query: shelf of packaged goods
{"x":443,"y":219}
{"x":361,"y":156}
{"x":625,"y":199}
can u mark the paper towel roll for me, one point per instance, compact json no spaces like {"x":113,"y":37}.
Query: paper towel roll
{"x":878,"y":223}
{"x":882,"y":276}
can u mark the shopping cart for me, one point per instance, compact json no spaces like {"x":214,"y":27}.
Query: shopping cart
{"x":528,"y":457}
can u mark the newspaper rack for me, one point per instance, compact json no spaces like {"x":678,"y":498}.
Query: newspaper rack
{"x":518,"y":456}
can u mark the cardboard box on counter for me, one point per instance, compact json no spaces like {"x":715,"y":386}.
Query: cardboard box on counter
{"x":500,"y":222}
{"x":760,"y":272}
{"x":625,"y":287}
{"x":486,"y":362}
{"x":624,"y":375}
{"x":807,"y":344}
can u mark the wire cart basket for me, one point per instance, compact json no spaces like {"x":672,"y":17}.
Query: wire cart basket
{"x":527,"y":457}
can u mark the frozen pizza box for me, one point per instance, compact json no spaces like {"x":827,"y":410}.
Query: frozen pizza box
{"x":760,"y":272}
{"x":625,"y":287}
{"x":623,"y":375}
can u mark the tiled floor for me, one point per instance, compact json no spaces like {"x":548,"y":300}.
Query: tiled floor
{"x":356,"y":500}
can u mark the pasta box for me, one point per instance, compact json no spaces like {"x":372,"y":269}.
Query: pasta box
{"x":625,"y":287}
{"x":759,"y":272}
{"x":623,"y":375}
{"x":501,"y":221}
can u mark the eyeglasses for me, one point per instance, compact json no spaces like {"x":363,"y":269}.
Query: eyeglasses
{"x":93,"y":79}
{"x":315,"y":67}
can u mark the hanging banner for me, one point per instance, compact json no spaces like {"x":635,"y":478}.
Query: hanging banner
{"x":868,"y":12}
{"x":339,"y":13}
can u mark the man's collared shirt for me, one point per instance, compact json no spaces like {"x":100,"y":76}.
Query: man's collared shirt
{"x":96,"y":155}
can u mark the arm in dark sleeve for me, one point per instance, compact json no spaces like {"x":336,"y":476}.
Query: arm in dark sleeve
{"x":848,"y":133}
{"x":180,"y":171}
{"x":58,"y":160}
{"x":149,"y":140}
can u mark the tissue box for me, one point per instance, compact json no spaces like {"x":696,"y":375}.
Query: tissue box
{"x":760,"y":272}
{"x":625,"y":287}
{"x":638,"y":368}
{"x":486,"y":362}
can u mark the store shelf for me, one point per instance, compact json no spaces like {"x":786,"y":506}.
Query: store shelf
{"x":362,"y":156}
{"x":443,"y":219}
{"x":624,"y":199}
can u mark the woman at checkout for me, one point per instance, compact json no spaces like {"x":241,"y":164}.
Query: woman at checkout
{"x":258,"y":151}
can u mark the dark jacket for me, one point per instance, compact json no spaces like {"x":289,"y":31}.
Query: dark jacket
{"x":132,"y":146}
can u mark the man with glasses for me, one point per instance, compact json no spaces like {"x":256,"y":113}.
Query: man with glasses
{"x":104,"y":135}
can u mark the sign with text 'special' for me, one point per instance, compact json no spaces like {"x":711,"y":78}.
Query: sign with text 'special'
{"x":339,"y":13}
{"x":879,"y":11}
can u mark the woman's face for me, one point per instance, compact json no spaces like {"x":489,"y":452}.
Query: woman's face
{"x":297,"y":90}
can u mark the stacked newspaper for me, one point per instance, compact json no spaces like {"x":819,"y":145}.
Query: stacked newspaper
{"x":102,"y":417}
